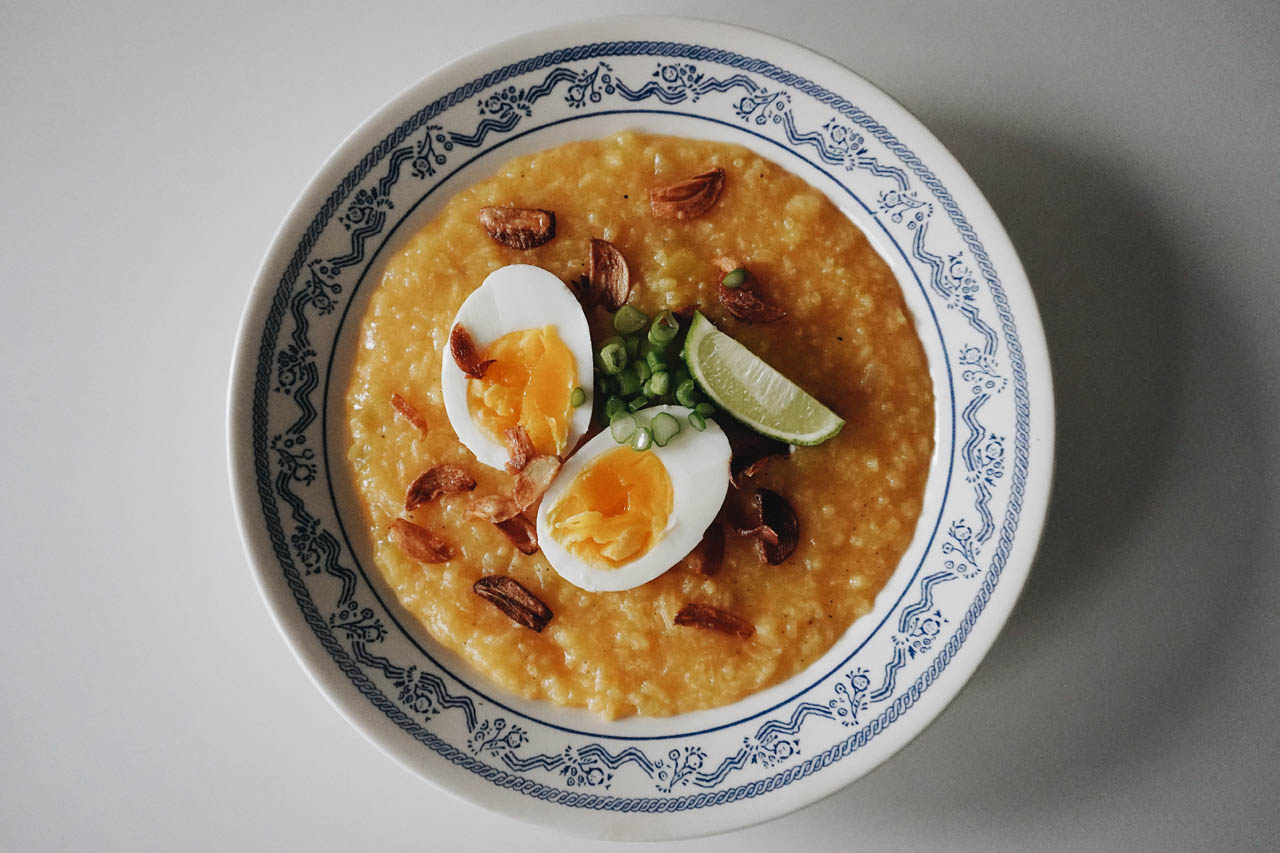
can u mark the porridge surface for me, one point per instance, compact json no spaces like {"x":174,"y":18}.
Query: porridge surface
{"x":848,"y":339}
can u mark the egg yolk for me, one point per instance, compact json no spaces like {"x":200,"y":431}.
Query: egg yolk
{"x":529,"y":383}
{"x":615,"y":510}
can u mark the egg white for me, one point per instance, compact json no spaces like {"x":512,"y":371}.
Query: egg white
{"x":510,"y":299}
{"x":698,"y":465}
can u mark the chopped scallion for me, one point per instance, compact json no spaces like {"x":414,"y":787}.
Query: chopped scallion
{"x":656,"y":362}
{"x":734,"y":278}
{"x":658,"y":384}
{"x":663,"y":329}
{"x":637,"y":403}
{"x":697,"y":421}
{"x":687,"y":394}
{"x":622,"y":428}
{"x":613,"y":407}
{"x":664,"y":427}
{"x":630,"y":320}
{"x":642,"y":439}
{"x":629,"y":382}
{"x":706,"y":409}
{"x":613,"y":356}
{"x":577,"y":397}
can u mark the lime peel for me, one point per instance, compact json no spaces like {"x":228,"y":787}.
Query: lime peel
{"x":745,"y":386}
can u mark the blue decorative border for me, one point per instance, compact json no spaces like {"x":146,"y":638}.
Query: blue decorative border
{"x":423,"y":694}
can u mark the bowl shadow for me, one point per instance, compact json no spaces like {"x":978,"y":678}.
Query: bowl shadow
{"x":1154,"y":505}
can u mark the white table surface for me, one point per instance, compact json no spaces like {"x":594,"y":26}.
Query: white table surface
{"x":148,"y":153}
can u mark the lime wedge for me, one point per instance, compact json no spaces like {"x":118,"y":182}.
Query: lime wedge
{"x":741,"y":383}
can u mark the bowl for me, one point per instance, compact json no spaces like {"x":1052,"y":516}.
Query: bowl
{"x":895,"y":668}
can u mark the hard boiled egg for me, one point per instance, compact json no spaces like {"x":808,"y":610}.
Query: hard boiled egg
{"x":529,"y":322}
{"x":616,"y":517}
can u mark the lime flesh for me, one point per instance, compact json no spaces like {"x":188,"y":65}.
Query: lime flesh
{"x":745,"y":386}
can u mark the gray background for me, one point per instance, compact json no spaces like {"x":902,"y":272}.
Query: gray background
{"x":148,"y":154}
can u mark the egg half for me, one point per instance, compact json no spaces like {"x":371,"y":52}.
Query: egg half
{"x":530,"y":323}
{"x":616,"y":518}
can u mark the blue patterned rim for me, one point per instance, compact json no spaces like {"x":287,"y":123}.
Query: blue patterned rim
{"x":352,"y":633}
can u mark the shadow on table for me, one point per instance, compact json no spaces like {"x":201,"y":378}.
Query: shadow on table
{"x":1141,"y":582}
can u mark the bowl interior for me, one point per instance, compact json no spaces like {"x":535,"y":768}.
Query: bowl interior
{"x":594,"y":126}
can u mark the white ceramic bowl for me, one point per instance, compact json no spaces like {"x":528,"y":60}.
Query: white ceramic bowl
{"x":894,"y":670}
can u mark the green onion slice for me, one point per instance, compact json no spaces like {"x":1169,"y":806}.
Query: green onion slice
{"x":658,"y":384}
{"x":642,"y":439}
{"x":687,"y":394}
{"x":664,"y":328}
{"x":664,"y":427}
{"x":630,"y":320}
{"x":613,"y":356}
{"x":629,"y":382}
{"x":613,"y":407}
{"x":622,"y":428}
{"x":697,"y":421}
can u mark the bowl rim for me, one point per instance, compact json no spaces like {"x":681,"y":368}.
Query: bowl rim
{"x":321,"y":668}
